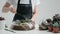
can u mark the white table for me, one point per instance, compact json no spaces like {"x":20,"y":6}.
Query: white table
{"x":35,"y":31}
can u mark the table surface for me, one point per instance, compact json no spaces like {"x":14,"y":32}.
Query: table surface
{"x":35,"y":31}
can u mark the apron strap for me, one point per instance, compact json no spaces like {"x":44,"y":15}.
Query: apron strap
{"x":30,"y":1}
{"x":20,"y":0}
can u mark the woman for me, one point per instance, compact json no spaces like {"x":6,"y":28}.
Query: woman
{"x":24,"y":10}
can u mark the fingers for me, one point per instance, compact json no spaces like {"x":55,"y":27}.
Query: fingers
{"x":32,"y":22}
{"x":5,"y":9}
{"x":13,"y":10}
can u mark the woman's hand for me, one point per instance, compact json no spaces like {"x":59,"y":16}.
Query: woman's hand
{"x":32,"y":22}
{"x":13,"y":10}
{"x":5,"y":9}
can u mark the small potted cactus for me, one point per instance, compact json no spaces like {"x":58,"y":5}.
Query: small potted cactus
{"x":49,"y":22}
{"x":50,"y":28}
{"x":56,"y":27}
{"x":59,"y":25}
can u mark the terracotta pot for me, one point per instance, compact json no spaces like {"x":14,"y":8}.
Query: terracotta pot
{"x":55,"y":29}
{"x":59,"y":28}
{"x":50,"y":28}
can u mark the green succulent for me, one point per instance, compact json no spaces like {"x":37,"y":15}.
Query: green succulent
{"x":56,"y":24}
{"x":27,"y":20}
{"x":18,"y":21}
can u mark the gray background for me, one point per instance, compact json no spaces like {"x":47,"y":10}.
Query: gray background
{"x":47,"y":9}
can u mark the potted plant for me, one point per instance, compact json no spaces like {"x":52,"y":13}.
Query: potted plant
{"x":56,"y":27}
{"x":59,"y":25}
{"x":49,"y":24}
{"x":50,"y":28}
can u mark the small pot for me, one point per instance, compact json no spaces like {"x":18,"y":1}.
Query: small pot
{"x":55,"y":29}
{"x":50,"y":28}
{"x":59,"y":28}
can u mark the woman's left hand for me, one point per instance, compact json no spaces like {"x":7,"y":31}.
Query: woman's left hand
{"x":32,"y":22}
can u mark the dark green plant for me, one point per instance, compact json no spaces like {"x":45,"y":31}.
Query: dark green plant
{"x":56,"y":24}
{"x":27,"y":20}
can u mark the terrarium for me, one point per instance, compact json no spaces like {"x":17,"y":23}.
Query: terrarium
{"x":22,"y":25}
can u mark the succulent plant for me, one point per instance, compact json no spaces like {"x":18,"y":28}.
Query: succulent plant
{"x":18,"y":21}
{"x":27,"y":20}
{"x":56,"y":17}
{"x":56,"y":24}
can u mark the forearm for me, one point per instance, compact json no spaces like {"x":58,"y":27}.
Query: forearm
{"x":35,"y":13}
{"x":6,"y":7}
{"x":34,"y":17}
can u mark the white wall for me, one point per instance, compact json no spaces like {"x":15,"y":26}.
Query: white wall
{"x":8,"y":16}
{"x":47,"y":9}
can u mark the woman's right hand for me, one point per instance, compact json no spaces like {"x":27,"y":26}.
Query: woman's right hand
{"x":5,"y":9}
{"x":13,"y":10}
